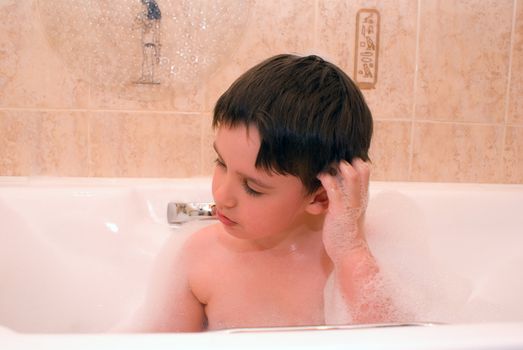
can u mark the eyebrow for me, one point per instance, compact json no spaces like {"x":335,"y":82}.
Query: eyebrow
{"x":245,"y":177}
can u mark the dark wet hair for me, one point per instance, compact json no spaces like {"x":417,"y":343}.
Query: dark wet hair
{"x":153,"y":11}
{"x":308,"y":112}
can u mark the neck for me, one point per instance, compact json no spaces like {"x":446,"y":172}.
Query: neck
{"x":305,"y":234}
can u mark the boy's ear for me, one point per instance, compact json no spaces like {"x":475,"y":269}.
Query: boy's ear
{"x":319,"y":202}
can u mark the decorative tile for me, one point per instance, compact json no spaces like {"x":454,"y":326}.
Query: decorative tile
{"x":394,"y":92}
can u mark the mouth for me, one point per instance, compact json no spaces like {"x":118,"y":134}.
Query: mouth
{"x":224,"y":219}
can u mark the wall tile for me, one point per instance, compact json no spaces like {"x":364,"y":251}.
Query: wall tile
{"x":130,"y":96}
{"x":208,"y":153}
{"x":17,"y":143}
{"x":516,"y":82}
{"x":69,"y":105}
{"x":394,"y":92}
{"x":43,"y":143}
{"x":463,"y":55}
{"x":513,"y":156}
{"x":104,"y":44}
{"x":456,"y":152}
{"x":62,"y":144}
{"x":275,"y":26}
{"x":31,"y":75}
{"x":145,"y":144}
{"x":390,"y":150}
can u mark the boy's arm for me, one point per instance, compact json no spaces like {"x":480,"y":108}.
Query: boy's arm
{"x":356,"y":272}
{"x":169,"y":305}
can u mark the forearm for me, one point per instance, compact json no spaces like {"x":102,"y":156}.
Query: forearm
{"x":361,"y":284}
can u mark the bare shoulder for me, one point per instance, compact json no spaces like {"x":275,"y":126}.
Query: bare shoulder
{"x":203,"y":236}
{"x":202,"y":253}
{"x":200,"y":243}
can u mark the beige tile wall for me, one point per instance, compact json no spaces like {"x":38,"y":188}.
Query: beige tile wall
{"x":448,"y":103}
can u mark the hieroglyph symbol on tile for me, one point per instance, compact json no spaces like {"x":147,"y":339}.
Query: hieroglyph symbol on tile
{"x":367,"y":48}
{"x":148,"y":21}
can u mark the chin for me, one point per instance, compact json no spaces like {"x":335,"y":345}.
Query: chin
{"x":235,"y":231}
{"x":240,"y":233}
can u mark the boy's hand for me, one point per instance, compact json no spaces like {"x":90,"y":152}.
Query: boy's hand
{"x":348,"y":196}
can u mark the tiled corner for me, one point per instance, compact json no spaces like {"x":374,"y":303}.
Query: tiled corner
{"x":394,"y":91}
{"x":513,"y":155}
{"x":274,"y":27}
{"x":456,"y":152}
{"x":515,"y":112}
{"x":463,"y":53}
{"x":145,"y":144}
{"x":390,"y":150}
{"x":43,"y":143}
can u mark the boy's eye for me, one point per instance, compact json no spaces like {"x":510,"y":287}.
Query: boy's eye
{"x":250,"y":191}
{"x":219,"y":162}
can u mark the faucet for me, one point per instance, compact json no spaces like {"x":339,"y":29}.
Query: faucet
{"x":179,"y":213}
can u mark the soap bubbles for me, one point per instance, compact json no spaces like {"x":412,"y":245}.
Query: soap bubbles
{"x":118,"y":43}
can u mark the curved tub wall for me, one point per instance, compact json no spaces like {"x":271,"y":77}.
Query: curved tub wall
{"x":76,"y":253}
{"x":75,"y":256}
{"x":455,"y":248}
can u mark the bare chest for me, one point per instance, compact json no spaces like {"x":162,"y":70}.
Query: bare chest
{"x":263,"y":292}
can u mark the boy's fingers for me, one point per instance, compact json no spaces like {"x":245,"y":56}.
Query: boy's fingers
{"x":363,"y":169}
{"x":330,"y":184}
{"x":350,"y":185}
{"x":356,"y":179}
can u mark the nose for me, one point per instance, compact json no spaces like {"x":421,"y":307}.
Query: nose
{"x":223,"y":191}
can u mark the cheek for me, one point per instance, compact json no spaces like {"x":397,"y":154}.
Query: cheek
{"x":214,"y":183}
{"x":216,"y":180}
{"x":278,"y":213}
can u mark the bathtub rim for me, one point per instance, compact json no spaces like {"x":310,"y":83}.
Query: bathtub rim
{"x":442,"y":336}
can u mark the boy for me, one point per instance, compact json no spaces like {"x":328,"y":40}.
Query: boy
{"x":290,"y":186}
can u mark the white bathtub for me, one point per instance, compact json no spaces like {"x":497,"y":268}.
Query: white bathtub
{"x":75,"y":256}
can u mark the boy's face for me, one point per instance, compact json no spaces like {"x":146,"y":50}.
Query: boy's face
{"x":252,"y":203}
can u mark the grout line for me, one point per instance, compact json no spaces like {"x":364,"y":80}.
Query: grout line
{"x":89,"y":173}
{"x":315,"y":37}
{"x":414,"y":93}
{"x":85,"y":110}
{"x":398,"y":120}
{"x":509,"y":83}
{"x":447,"y":122}
{"x":202,"y":118}
{"x":454,"y":122}
{"x":510,"y":58}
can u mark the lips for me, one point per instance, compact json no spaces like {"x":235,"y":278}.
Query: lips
{"x":224,"y":219}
